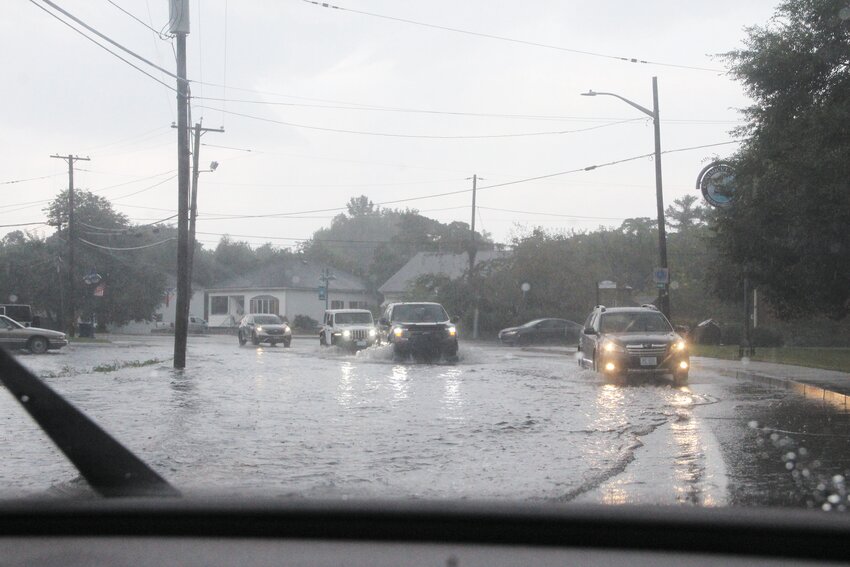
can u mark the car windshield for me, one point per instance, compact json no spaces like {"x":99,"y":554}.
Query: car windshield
{"x":679,"y":169}
{"x":353,"y":318}
{"x":634,"y":322}
{"x":419,"y":313}
{"x":10,"y":323}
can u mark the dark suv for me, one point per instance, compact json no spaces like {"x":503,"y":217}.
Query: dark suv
{"x":419,"y":329}
{"x":622,"y":341}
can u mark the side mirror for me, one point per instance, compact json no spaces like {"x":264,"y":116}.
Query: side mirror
{"x":590,"y":331}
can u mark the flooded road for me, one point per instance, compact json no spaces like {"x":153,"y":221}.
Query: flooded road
{"x":502,"y":423}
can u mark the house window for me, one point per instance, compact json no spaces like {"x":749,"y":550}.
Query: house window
{"x":265,"y":304}
{"x":218,"y":305}
{"x":358,"y":305}
{"x":337,"y":304}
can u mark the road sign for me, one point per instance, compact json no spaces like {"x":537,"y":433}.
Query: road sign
{"x":323,"y":293}
{"x":100,"y":290}
{"x":661,"y":276}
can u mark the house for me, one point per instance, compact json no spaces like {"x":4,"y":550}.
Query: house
{"x":432,"y":263}
{"x":288,"y":288}
{"x":166,"y":313}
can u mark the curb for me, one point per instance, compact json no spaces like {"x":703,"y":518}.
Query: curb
{"x":830,"y":397}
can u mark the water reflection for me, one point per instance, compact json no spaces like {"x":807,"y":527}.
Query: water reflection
{"x":345,"y":387}
{"x":399,"y":382}
{"x":610,"y":410}
{"x":452,"y":399}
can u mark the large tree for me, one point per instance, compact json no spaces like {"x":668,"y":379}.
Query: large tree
{"x":788,"y":228}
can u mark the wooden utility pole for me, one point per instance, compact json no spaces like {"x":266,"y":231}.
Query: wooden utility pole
{"x":180,"y":27}
{"x":472,"y":253}
{"x":70,"y":322}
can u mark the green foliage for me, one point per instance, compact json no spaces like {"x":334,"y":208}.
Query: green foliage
{"x":304,"y":322}
{"x":788,"y":227}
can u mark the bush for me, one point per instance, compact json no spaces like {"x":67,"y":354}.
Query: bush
{"x":766,"y":337}
{"x":304,"y":322}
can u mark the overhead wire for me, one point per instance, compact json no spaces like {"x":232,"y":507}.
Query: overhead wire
{"x":13,"y":181}
{"x":133,"y":16}
{"x":416,"y":136}
{"x":142,"y":247}
{"x":512,"y":40}
{"x":131,"y":64}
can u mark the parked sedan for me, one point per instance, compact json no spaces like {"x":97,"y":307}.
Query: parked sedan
{"x":537,"y":332}
{"x":37,"y":341}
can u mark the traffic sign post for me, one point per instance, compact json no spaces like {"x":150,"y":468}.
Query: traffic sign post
{"x":323,"y":293}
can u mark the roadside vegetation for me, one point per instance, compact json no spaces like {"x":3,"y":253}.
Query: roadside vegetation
{"x":811,"y":357}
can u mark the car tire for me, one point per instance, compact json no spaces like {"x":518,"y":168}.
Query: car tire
{"x":595,"y":364}
{"x":322,"y":341}
{"x":255,"y":340}
{"x":242,"y":340}
{"x":286,"y":343}
{"x":680,"y":379}
{"x":37,"y":345}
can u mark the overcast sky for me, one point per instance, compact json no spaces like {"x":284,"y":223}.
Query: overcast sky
{"x":342,"y":70}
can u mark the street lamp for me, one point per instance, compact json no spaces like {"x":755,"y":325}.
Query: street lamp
{"x":663,"y":290}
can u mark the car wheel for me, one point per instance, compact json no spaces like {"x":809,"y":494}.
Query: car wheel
{"x":680,"y":379}
{"x":37,"y":345}
{"x":286,"y":343}
{"x":242,"y":340}
{"x":595,"y":365}
{"x":255,"y":339}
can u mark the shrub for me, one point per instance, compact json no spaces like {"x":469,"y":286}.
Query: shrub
{"x":304,"y":322}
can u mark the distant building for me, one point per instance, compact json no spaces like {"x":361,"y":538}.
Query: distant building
{"x":452,"y":266}
{"x":287,"y":289}
{"x":165,"y":314}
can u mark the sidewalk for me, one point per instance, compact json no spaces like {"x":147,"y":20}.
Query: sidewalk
{"x":828,"y":385}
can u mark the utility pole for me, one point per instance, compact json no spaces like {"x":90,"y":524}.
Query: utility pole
{"x":179,"y":25}
{"x":326,"y":278}
{"x":472,"y":253}
{"x":664,"y":292}
{"x":193,"y":208}
{"x":71,"y":321}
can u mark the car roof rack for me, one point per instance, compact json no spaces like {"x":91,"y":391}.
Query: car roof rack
{"x":600,"y":307}
{"x":650,"y":306}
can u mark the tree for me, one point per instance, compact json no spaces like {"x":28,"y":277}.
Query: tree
{"x":685,"y":213}
{"x":360,"y":206}
{"x":787,"y":229}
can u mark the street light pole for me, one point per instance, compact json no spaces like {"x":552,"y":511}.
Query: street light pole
{"x":664,"y":289}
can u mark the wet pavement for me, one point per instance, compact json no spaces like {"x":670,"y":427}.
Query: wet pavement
{"x":502,"y":423}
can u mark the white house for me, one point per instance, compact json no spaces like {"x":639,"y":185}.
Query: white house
{"x":432,"y":263}
{"x":287,"y":289}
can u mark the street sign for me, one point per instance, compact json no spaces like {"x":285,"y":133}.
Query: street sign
{"x":661,"y":276}
{"x":717,"y":183}
{"x":100,"y":290}
{"x":323,"y":293}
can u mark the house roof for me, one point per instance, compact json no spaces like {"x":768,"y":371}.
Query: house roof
{"x":297,"y":274}
{"x":450,"y":265}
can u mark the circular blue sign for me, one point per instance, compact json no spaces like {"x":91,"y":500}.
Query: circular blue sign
{"x":717,"y":183}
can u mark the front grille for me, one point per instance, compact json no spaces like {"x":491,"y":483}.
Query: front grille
{"x":359,"y":334}
{"x":647,"y":350}
{"x":274,"y":331}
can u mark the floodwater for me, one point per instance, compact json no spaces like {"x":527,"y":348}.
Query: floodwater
{"x":501,"y":423}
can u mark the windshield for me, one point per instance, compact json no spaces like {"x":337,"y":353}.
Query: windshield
{"x":488,"y":164}
{"x":416,"y":313}
{"x":634,"y":323}
{"x":353,"y":318}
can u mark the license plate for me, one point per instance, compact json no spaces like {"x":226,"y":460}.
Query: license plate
{"x":361,"y":343}
{"x":648,"y":361}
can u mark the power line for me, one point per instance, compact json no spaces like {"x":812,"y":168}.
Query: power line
{"x":157,"y":32}
{"x":126,"y":228}
{"x":21,"y":224}
{"x":136,"y":67}
{"x":418,"y":136}
{"x":13,"y":181}
{"x":513,"y":40}
{"x":84,"y":241}
{"x":374,"y":108}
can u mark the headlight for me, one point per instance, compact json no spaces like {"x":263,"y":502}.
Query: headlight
{"x":398,"y":331}
{"x":259,"y":329}
{"x":613,"y":347}
{"x":286,"y":330}
{"x":346,"y":334}
{"x":372,"y":333}
{"x":452,"y":331}
{"x":679,"y":346}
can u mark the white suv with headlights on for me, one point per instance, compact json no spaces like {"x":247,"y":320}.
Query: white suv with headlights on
{"x":348,"y":328}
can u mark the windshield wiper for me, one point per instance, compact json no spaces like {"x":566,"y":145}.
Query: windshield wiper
{"x":111,"y":469}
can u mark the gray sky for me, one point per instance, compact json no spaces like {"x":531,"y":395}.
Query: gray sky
{"x":63,"y":94}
